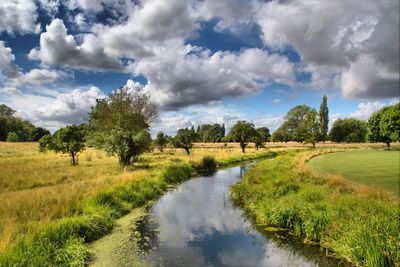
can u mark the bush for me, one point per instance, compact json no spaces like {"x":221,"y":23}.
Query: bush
{"x":178,"y":173}
{"x":207,"y":166}
{"x":12,"y":137}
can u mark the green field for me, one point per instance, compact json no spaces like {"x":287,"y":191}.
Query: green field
{"x":373,"y":167}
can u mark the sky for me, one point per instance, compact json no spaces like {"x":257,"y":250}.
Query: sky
{"x":203,"y":61}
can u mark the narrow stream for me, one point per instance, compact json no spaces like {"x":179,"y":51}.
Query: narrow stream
{"x":196,"y":224}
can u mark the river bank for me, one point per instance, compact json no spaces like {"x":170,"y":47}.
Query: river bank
{"x":353,"y":222}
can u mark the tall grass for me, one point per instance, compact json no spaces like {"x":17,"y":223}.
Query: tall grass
{"x":361,"y":228}
{"x":50,"y":210}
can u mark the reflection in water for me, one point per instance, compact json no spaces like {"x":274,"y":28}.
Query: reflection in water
{"x":197,"y":225}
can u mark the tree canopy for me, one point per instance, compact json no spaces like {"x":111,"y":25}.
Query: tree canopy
{"x":323,"y":119}
{"x":120,"y":123}
{"x":161,"y":141}
{"x":184,"y":139}
{"x":243,"y":132}
{"x":348,"y":130}
{"x":68,"y":140}
{"x":312,"y":127}
{"x":210,"y":132}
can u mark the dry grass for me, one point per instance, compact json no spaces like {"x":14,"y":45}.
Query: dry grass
{"x":36,"y":188}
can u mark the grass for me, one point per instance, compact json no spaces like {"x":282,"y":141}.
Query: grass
{"x":373,"y":167}
{"x":50,"y":210}
{"x":351,"y":221}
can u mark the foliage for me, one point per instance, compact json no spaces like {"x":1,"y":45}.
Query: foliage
{"x":6,"y":111}
{"x":38,"y":133}
{"x":243,"y":132}
{"x":384,"y":125}
{"x":362,"y":229}
{"x":161,"y":141}
{"x":69,"y":140}
{"x":123,"y":115}
{"x":261,"y":137}
{"x":312,"y":127}
{"x":280,"y":135}
{"x":184,"y":139}
{"x":210,"y":133}
{"x":12,"y":137}
{"x":178,"y":173}
{"x":207,"y":166}
{"x":323,"y":119}
{"x":294,"y":123}
{"x":348,"y":130}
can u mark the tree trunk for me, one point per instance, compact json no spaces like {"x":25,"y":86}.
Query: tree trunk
{"x":187,"y":150}
{"x":243,"y":147}
{"x":73,"y":158}
{"x":388,"y":145}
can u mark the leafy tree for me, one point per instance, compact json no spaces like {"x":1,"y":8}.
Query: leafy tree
{"x":323,"y":119}
{"x":68,"y":140}
{"x":384,"y":125}
{"x":243,"y":132}
{"x":312,"y":127}
{"x":280,"y":135}
{"x":294,"y":123}
{"x":211,"y":132}
{"x":161,"y":141}
{"x":348,"y":130}
{"x":184,"y":139}
{"x":261,"y":137}
{"x":118,"y":124}
{"x":12,"y":137}
{"x":38,"y":133}
{"x":6,"y":111}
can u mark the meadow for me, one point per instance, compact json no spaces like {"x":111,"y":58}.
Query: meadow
{"x":37,"y":189}
{"x":349,"y":220}
{"x":378,"y":168}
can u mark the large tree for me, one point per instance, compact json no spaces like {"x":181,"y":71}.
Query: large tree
{"x":323,"y":119}
{"x":280,"y":135}
{"x":69,"y":140}
{"x":184,"y":139}
{"x":384,"y":125}
{"x":161,"y":141}
{"x":120,"y":123}
{"x":312,"y":127}
{"x":211,"y":132}
{"x":243,"y":132}
{"x":261,"y":137}
{"x":294,"y":123}
{"x":348,"y":130}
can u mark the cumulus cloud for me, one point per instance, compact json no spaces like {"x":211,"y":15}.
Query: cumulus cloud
{"x":59,"y":48}
{"x":56,"y":110}
{"x":365,"y":110}
{"x":181,"y":76}
{"x":18,"y":16}
{"x":344,"y":38}
{"x":7,"y":67}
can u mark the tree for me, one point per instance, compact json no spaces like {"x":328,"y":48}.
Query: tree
{"x":348,"y":130}
{"x":12,"y":137}
{"x":243,"y":132}
{"x":211,"y":132}
{"x":280,"y":135}
{"x":68,"y":140}
{"x":384,"y":125}
{"x":184,"y":139}
{"x":161,"y":141}
{"x":294,"y":123}
{"x":323,"y":119}
{"x":38,"y":133}
{"x":312,"y":127}
{"x":261,"y":137}
{"x":6,"y":111}
{"x":118,"y":124}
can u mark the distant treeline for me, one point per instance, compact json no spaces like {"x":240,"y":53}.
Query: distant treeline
{"x":15,"y":129}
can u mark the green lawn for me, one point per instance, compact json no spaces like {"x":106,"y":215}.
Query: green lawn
{"x":372,"y":167}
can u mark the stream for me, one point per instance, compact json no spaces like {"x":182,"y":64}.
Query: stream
{"x":196,"y":224}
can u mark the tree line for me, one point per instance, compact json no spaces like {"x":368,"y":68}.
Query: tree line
{"x":15,"y":129}
{"x":120,"y":125}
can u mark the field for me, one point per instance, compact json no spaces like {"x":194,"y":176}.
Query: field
{"x":373,"y":167}
{"x":37,"y":188}
{"x":351,"y":221}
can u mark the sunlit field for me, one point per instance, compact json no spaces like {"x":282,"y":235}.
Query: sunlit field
{"x":372,"y":167}
{"x":37,"y":188}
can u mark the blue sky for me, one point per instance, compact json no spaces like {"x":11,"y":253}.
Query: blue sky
{"x":202,"y":61}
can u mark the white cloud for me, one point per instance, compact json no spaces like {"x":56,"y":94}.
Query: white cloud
{"x":276,"y":101}
{"x":59,"y":48}
{"x":7,"y":67}
{"x":365,"y":110}
{"x":18,"y":16}
{"x":360,"y":41}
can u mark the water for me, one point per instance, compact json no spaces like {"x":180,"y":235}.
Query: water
{"x":197,"y":225}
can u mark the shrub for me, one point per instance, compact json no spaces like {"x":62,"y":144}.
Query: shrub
{"x":207,"y":166}
{"x":178,"y":173}
{"x":12,"y":137}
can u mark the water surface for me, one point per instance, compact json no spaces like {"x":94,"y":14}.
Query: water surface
{"x":196,"y":224}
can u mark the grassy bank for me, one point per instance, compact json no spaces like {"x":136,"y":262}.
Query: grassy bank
{"x":103,"y":196}
{"x":378,"y":168}
{"x":354,"y":222}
